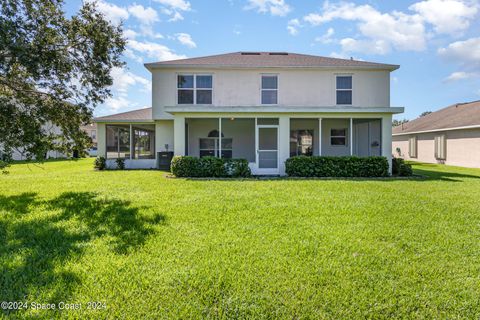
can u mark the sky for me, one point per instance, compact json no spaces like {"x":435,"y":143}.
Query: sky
{"x":435,"y":42}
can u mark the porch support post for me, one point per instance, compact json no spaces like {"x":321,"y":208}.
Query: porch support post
{"x":132,"y":147}
{"x":219,"y":137}
{"x":283,"y":143}
{"x":319,"y":136}
{"x":386,"y":138}
{"x":179,"y":135}
{"x":351,"y":136}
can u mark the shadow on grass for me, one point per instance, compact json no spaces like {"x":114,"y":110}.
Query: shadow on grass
{"x":443,"y":175}
{"x":35,"y":246}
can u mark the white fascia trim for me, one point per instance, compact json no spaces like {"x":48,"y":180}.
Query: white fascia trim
{"x":277,"y":109}
{"x":152,"y":67}
{"x":477,"y":126}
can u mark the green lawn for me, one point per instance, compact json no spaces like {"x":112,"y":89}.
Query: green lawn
{"x":151,"y":247}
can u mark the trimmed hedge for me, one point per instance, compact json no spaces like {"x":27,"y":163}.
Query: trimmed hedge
{"x":400,"y":168}
{"x":209,"y":167}
{"x":303,"y":166}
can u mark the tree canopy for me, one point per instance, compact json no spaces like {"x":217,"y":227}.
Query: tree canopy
{"x":54,"y":70}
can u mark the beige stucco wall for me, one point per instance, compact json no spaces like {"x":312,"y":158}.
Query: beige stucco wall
{"x":306,"y":88}
{"x":463,"y":147}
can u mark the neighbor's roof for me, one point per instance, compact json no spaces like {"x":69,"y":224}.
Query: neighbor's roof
{"x":270,"y":60}
{"x":453,"y":117}
{"x":140,"y":115}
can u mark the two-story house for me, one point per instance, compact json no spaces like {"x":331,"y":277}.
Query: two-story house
{"x":261,"y":106}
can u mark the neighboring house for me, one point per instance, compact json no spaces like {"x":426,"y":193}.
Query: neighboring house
{"x":261,"y":106}
{"x":91,"y":131}
{"x":18,"y":154}
{"x":450,"y":136}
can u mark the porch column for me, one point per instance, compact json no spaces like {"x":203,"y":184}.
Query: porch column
{"x":283,"y":143}
{"x":319,"y":136}
{"x":219,"y":137}
{"x":351,"y":136}
{"x":179,"y":135}
{"x":386,"y":138}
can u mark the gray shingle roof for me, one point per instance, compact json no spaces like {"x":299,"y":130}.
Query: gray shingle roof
{"x":270,"y":60}
{"x":140,"y":115}
{"x":454,"y":116}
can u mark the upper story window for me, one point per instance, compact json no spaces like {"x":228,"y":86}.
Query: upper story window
{"x":194,"y":89}
{"x":269,"y":89}
{"x":344,"y":90}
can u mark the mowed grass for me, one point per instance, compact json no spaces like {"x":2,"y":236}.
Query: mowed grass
{"x":152,"y":247}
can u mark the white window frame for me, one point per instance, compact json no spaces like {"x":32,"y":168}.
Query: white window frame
{"x":194,"y":89}
{"x":336,"y":89}
{"x":440,"y":147}
{"x":413,"y":147}
{"x":261,"y":87}
{"x":345,"y":137}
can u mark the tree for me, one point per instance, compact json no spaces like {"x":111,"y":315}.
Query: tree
{"x":396,"y":122}
{"x":54,"y":70}
{"x":423,"y":114}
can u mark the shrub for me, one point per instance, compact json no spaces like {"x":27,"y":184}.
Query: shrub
{"x":237,"y":168}
{"x":396,"y":163}
{"x":303,"y":166}
{"x":187,"y":166}
{"x":120,"y":163}
{"x":405,"y":170}
{"x":100,"y":163}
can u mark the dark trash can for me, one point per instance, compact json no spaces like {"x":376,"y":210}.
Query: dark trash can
{"x":163,"y":160}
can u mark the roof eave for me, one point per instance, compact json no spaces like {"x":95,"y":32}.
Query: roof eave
{"x":100,"y":120}
{"x":477,"y":126}
{"x":155,"y":66}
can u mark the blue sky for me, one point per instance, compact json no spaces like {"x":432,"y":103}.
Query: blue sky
{"x":436,"y":42}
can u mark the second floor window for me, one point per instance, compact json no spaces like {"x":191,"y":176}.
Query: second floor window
{"x":194,"y":89}
{"x":344,"y":90}
{"x":269,"y":89}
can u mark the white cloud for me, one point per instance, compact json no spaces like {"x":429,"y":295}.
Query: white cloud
{"x":365,"y":46}
{"x":177,"y":16}
{"x":327,"y":37}
{"x":186,"y":40}
{"x":153,"y":50}
{"x":176,"y":4}
{"x":274,"y":7}
{"x":384,"y":30}
{"x":144,"y":15}
{"x":130,"y":34}
{"x":466,"y":54}
{"x":293,"y":26}
{"x":172,"y":8}
{"x":123,"y":80}
{"x":111,"y":11}
{"x":115,"y":104}
{"x":447,"y":16}
{"x":460,"y":75}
